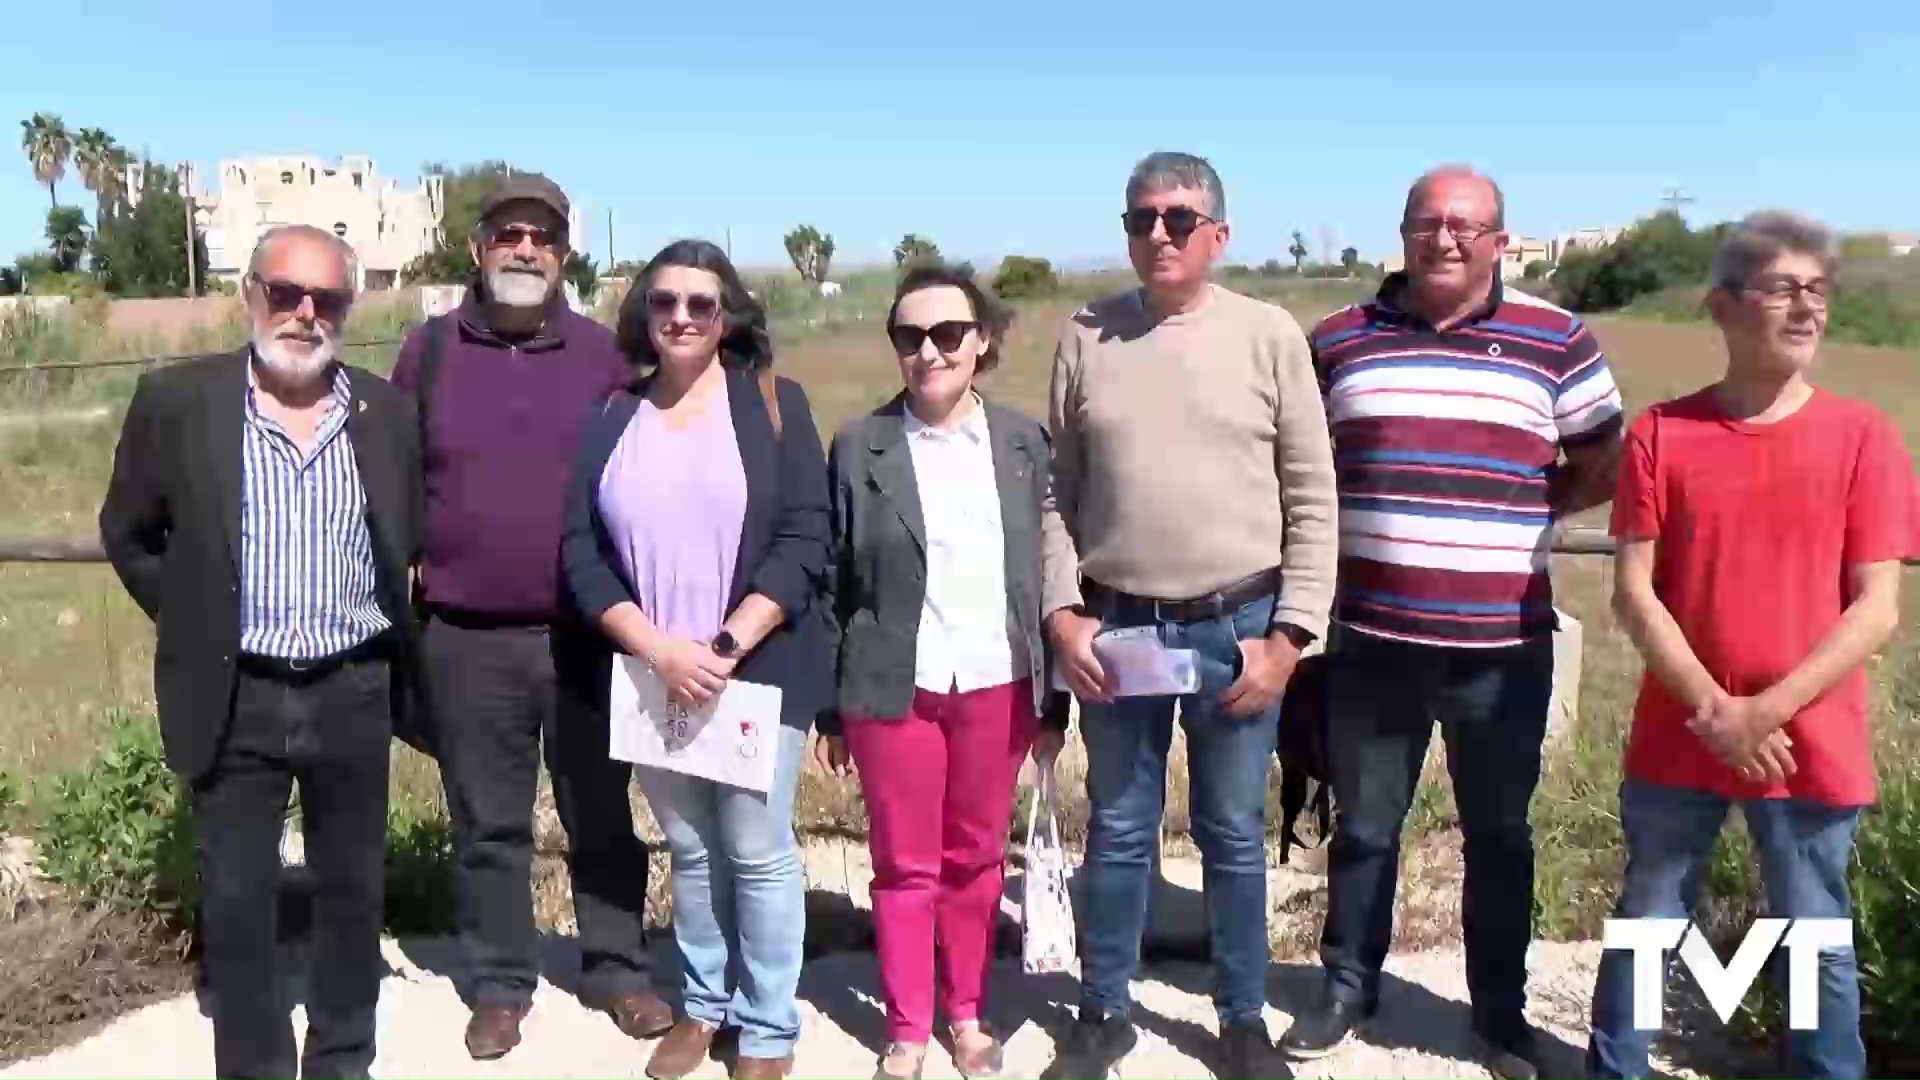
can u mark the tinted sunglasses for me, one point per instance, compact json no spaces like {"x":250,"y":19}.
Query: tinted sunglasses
{"x":1181,"y":221}
{"x":285,"y":296}
{"x":701,"y":307}
{"x":511,"y":236}
{"x":947,"y":336}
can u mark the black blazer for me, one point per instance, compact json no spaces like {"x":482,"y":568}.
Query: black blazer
{"x":783,"y":541}
{"x":171,"y":528}
{"x":879,"y":584}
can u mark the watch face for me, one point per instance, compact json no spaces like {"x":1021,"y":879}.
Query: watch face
{"x":723,"y":644}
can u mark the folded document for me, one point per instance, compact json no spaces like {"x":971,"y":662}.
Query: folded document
{"x":1137,"y":664}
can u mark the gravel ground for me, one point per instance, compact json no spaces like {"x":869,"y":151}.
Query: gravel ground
{"x":1421,"y":1031}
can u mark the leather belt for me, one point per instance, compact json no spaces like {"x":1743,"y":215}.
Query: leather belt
{"x":1223,"y":601}
{"x":281,"y":669}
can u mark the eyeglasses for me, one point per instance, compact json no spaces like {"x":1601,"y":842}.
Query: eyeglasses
{"x":1181,"y":221}
{"x":512,"y":236}
{"x":947,"y":336}
{"x":701,"y":307}
{"x":1785,"y":292}
{"x":284,"y":297}
{"x":1462,"y":230}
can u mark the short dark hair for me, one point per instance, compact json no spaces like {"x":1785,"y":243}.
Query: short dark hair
{"x":992,"y":315}
{"x":743,"y":344}
{"x":1760,"y":238}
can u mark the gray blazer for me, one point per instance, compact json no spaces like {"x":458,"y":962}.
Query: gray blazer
{"x":877,"y":580}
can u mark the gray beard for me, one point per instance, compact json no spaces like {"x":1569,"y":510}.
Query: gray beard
{"x":516,"y":288}
{"x":296,"y":370}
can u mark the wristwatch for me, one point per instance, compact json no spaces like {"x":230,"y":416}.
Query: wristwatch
{"x":725,"y":645}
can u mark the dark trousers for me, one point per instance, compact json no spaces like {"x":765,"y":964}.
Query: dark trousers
{"x":1491,"y":704}
{"x":330,"y":733}
{"x":497,"y":694}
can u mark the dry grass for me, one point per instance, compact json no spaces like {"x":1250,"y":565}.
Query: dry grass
{"x":68,"y":972}
{"x":73,"y":648}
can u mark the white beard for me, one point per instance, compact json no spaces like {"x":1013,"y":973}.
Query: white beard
{"x":291,"y":367}
{"x":516,"y":289}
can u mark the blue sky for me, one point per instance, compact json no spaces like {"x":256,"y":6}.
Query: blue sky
{"x":998,"y":127}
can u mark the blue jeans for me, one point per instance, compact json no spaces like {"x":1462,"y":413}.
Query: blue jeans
{"x":1804,"y":850}
{"x":1383,"y":699}
{"x":739,"y":899}
{"x":1227,"y":761}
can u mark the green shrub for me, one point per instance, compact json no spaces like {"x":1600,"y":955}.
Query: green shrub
{"x":116,"y":830}
{"x":9,"y":802}
{"x":1871,"y":313}
{"x":1024,"y":278}
{"x":419,"y":873}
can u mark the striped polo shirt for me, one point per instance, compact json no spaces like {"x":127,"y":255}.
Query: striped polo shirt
{"x":1444,"y":444}
{"x":307,"y":586}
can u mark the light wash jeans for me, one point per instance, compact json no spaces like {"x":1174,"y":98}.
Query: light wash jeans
{"x":1227,"y":762}
{"x":1804,"y":849}
{"x":739,"y":899}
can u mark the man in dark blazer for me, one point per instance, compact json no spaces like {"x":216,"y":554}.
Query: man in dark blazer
{"x":264,"y":512}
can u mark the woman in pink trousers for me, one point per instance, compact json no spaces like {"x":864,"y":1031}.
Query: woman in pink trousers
{"x":942,"y":661}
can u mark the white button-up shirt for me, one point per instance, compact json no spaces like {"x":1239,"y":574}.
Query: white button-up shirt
{"x":967,"y":639}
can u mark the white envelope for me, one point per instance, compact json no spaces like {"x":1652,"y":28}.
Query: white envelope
{"x":733,"y":739}
{"x":1138,"y":665}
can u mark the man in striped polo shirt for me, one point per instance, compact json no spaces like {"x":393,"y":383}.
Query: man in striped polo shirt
{"x":1466,"y":420}
{"x":264,"y":512}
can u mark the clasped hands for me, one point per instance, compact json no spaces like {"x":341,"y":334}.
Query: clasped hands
{"x":691,"y":672}
{"x":1748,"y":734}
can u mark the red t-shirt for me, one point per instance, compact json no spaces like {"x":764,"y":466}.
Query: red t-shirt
{"x":1756,"y":526}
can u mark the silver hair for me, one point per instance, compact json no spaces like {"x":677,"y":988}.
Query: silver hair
{"x":1165,"y":169}
{"x":1449,"y":172}
{"x":261,"y":249}
{"x":1761,"y":237}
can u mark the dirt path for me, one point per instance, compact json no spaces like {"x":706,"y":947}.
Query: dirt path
{"x":1422,"y":1031}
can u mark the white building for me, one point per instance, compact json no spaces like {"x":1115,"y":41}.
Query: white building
{"x":388,"y":226}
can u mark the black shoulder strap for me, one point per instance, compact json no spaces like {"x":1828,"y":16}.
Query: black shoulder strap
{"x":770,"y":393}
{"x":430,"y":353}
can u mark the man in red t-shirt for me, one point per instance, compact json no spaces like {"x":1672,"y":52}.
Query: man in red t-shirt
{"x":1761,"y":524}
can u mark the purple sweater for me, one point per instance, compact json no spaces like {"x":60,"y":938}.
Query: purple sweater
{"x":504,"y":422}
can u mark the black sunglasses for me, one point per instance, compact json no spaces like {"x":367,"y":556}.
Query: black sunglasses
{"x":1181,"y":221}
{"x":701,"y":307}
{"x":947,"y":336}
{"x":285,"y":296}
{"x":511,"y":236}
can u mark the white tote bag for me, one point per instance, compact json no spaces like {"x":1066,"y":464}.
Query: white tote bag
{"x":1046,"y":908}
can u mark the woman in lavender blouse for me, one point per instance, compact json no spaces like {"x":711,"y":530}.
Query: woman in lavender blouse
{"x":697,"y":538}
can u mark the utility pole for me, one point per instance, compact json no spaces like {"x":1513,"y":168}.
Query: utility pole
{"x":1675,"y":198}
{"x":729,"y":243}
{"x":609,"y":239}
{"x":186,"y":198}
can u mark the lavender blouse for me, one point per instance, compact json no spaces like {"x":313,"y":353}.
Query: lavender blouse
{"x":674,"y":498}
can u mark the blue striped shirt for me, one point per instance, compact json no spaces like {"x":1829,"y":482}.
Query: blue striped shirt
{"x":306,"y":556}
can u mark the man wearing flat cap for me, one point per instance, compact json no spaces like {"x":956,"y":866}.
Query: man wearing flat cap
{"x":504,"y":383}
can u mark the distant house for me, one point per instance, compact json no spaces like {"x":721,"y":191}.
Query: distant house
{"x":387,"y":225}
{"x":1523,"y":251}
{"x":1902,"y":243}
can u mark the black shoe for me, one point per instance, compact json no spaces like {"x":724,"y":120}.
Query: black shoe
{"x":1508,"y":1058}
{"x":1092,"y":1048}
{"x":1244,"y":1050}
{"x":1320,"y":1031}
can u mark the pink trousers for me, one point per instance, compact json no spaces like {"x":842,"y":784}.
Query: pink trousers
{"x":938,"y":784}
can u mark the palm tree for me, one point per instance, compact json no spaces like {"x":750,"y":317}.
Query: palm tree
{"x":101,"y":163}
{"x":47,"y":145}
{"x":66,"y":237}
{"x":1298,"y":249}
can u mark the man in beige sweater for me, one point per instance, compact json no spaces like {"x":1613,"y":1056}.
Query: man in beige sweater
{"x":1194,"y":496}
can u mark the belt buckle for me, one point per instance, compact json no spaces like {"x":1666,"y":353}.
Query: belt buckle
{"x":301,"y":665}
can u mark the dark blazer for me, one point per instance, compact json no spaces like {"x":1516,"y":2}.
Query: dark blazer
{"x":783,"y":541}
{"x":171,"y":528}
{"x":879,"y":584}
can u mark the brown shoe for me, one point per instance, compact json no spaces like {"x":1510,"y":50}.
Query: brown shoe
{"x":753,"y":1068}
{"x":984,"y":1060}
{"x":682,"y":1051}
{"x":640,"y":1014}
{"x":494,"y":1030}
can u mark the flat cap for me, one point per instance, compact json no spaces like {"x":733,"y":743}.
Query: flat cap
{"x":525,"y":187}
